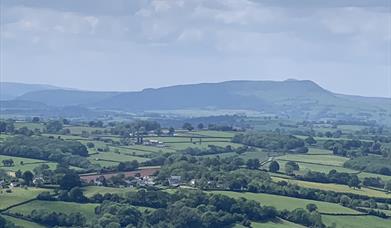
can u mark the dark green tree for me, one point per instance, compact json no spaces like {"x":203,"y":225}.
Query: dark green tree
{"x":274,"y":167}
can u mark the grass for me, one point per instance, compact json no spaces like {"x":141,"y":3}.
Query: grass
{"x":214,"y":133}
{"x":28,"y":163}
{"x":275,"y":224}
{"x":336,"y":188}
{"x":121,"y":157}
{"x":318,"y":159}
{"x":79,"y":129}
{"x":89,"y":191}
{"x":319,"y":151}
{"x":356,"y":221}
{"x":152,"y":149}
{"x":29,"y":125}
{"x":18,"y":195}
{"x":87,"y":209}
{"x":304,"y":167}
{"x":22,"y":223}
{"x":182,"y":146}
{"x":289,"y":203}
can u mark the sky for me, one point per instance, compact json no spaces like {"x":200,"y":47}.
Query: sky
{"x":127,"y":45}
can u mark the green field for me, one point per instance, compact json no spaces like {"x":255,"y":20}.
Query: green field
{"x":318,"y":159}
{"x":356,"y":221}
{"x":304,"y":167}
{"x":18,"y":195}
{"x":79,"y":129}
{"x":276,"y":224}
{"x":121,"y":157}
{"x":28,"y":163}
{"x":214,"y":133}
{"x":336,"y":188}
{"x":22,"y":223}
{"x":29,"y":125}
{"x":289,"y":203}
{"x":87,"y":209}
{"x":89,"y":191}
{"x":319,"y":151}
{"x":203,"y":145}
{"x":152,"y":149}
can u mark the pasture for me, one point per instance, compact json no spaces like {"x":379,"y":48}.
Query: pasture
{"x":356,"y":221}
{"x":330,"y":160}
{"x":336,"y":187}
{"x":276,"y":224}
{"x":289,"y":203}
{"x":87,"y":209}
{"x":22,"y":223}
{"x":89,"y":191}
{"x":18,"y":195}
{"x":24,"y":164}
{"x":29,"y":125}
{"x":304,"y":167}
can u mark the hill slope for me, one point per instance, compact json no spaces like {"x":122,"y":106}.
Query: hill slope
{"x":293,"y":98}
{"x":11,"y":90}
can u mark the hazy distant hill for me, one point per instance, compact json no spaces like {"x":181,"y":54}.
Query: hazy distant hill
{"x":293,"y":98}
{"x":66,"y":97}
{"x":11,"y":90}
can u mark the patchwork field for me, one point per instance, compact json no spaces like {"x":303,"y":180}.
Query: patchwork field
{"x":18,"y":195}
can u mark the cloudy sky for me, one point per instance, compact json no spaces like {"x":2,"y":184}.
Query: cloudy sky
{"x":343,"y":45}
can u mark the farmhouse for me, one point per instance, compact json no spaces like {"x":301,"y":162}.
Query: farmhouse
{"x":95,"y":178}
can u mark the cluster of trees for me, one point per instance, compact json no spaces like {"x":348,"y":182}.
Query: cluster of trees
{"x":186,"y":208}
{"x":8,"y":162}
{"x":139,"y":126}
{"x":352,"y":148}
{"x":128,"y":166}
{"x":53,"y":219}
{"x":6,"y":224}
{"x":332,"y":177}
{"x":7,"y":126}
{"x":272,"y":142}
{"x":51,"y":149}
{"x":225,"y":174}
{"x":212,"y":149}
{"x":290,"y":167}
{"x":180,"y":209}
{"x":373,"y":164}
{"x":207,"y":171}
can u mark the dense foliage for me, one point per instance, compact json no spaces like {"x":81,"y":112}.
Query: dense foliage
{"x":272,"y":142}
{"x":374,"y":164}
{"x":45,"y":148}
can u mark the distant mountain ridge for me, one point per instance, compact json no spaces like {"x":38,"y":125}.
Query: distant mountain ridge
{"x":299,"y":98}
{"x":12,"y":90}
